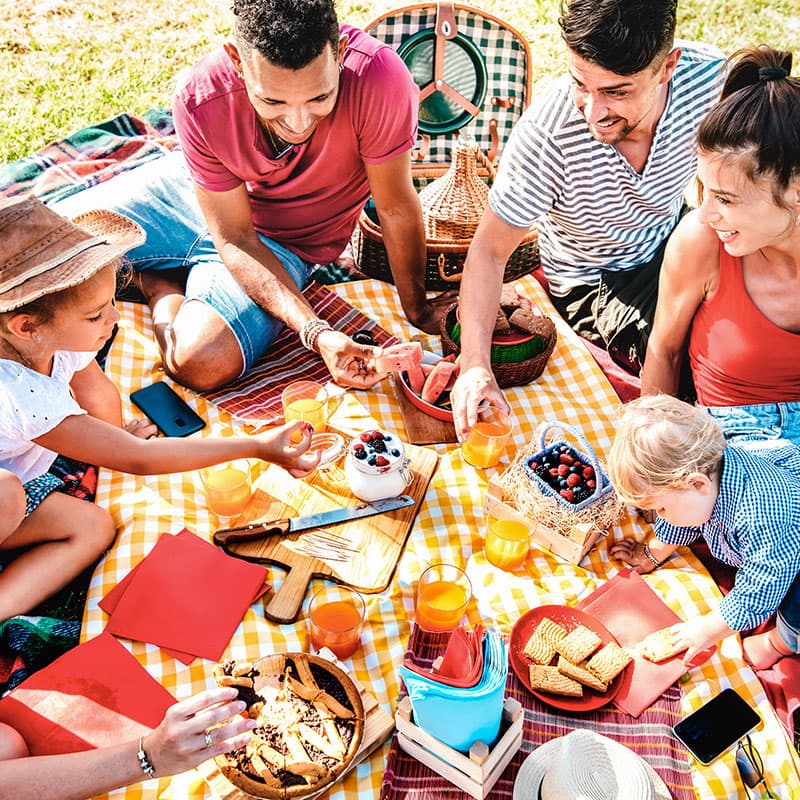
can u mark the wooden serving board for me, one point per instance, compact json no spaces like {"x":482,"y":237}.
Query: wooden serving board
{"x":422,"y":428}
{"x":370,"y":547}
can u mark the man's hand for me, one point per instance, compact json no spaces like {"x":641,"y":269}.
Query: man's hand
{"x":349,"y":363}
{"x":433,"y":310}
{"x":472,"y":387}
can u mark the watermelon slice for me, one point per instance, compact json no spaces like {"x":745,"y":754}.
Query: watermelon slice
{"x":437,"y":381}
{"x":415,"y":377}
{"x":399,"y":357}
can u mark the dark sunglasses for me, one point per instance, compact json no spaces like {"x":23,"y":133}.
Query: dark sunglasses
{"x":751,"y":767}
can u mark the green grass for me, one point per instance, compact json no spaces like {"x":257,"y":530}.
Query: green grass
{"x":69,"y":63}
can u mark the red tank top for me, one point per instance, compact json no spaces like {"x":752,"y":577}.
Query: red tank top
{"x":738,"y":356}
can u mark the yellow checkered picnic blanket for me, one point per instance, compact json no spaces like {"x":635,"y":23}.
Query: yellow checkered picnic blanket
{"x":449,"y":528}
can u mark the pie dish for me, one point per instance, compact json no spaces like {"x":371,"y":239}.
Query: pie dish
{"x":311,"y":721}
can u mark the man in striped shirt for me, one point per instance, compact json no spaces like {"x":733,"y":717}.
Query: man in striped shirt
{"x":599,"y":163}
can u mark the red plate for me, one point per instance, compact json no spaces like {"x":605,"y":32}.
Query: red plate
{"x":569,"y":618}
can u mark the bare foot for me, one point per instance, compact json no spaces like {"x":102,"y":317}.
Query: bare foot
{"x":764,"y":649}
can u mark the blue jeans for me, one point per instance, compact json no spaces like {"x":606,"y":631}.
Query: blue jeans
{"x":159,"y":195}
{"x":788,"y":619}
{"x":765,"y":422}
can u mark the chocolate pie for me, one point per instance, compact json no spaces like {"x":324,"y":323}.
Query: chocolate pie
{"x":310,"y":724}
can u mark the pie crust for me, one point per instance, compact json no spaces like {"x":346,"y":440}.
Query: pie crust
{"x":310,"y":726}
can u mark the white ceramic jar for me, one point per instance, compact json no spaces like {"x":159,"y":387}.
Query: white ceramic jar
{"x":376,"y":466}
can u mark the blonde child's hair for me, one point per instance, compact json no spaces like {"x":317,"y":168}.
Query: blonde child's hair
{"x":660,"y":442}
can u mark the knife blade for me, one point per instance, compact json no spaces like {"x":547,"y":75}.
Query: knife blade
{"x":258,"y":530}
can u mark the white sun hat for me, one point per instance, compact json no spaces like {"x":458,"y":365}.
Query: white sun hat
{"x":583,"y":765}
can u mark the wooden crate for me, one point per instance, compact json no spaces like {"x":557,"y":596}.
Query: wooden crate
{"x":582,"y":537}
{"x":475,"y":773}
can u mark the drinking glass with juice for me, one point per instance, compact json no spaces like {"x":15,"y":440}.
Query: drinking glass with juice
{"x":306,"y":401}
{"x":228,"y":488}
{"x":335,"y":618}
{"x":443,"y":594}
{"x":507,"y":542}
{"x":488,"y":437}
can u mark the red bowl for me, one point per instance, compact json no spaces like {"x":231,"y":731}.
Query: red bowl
{"x":443,"y":414}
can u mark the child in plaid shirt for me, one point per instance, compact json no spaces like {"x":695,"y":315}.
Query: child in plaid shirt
{"x":672,"y":458}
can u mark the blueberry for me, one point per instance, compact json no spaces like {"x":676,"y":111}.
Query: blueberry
{"x":395,"y":453}
{"x":371,"y":461}
{"x":387,"y":437}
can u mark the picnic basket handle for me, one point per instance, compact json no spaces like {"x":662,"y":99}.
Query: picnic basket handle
{"x":548,"y":425}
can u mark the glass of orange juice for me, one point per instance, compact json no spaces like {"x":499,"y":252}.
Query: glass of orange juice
{"x":335,"y":618}
{"x":306,"y":401}
{"x":507,"y":542}
{"x":228,"y":488}
{"x":487,"y":438}
{"x":443,"y":594}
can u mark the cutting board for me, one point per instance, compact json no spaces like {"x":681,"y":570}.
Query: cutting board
{"x":630,"y":610}
{"x":422,"y":428}
{"x":369,"y":548}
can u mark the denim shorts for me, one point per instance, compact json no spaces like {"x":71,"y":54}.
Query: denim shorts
{"x":764,"y":423}
{"x":160,"y":196}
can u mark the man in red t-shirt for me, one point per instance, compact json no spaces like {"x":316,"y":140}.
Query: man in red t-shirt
{"x":286,"y":132}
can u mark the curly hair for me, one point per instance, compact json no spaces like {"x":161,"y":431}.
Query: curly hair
{"x":287,"y":33}
{"x":621,"y":36}
{"x":659,"y":442}
{"x":758,"y":117}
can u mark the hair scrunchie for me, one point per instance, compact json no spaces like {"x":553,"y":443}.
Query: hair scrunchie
{"x":771,"y":73}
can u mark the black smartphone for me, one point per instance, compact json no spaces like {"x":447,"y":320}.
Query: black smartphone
{"x":717,"y":725}
{"x":167,"y":409}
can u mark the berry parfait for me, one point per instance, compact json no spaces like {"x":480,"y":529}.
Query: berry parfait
{"x":376,"y":466}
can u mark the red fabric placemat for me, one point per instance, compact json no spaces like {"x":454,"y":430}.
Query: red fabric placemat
{"x":649,"y":735}
{"x":257,"y":394}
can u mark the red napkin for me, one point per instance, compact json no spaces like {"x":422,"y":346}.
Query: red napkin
{"x":462,"y":662}
{"x":186,"y":596}
{"x":95,"y":695}
{"x":630,"y":610}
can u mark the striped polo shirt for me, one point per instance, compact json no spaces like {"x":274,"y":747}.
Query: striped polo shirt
{"x":593,"y":210}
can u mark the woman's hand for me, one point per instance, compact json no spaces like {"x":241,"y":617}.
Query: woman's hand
{"x":179,"y":742}
{"x":288,"y":447}
{"x":141,"y":428}
{"x":472,"y":388}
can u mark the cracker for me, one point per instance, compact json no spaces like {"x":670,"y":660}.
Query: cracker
{"x":578,"y":644}
{"x":657,"y":646}
{"x":549,"y":679}
{"x":578,"y":672}
{"x":550,"y":631}
{"x":609,"y":662}
{"x":539,"y":650}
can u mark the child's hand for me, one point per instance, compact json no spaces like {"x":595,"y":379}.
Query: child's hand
{"x":632,"y":552}
{"x":141,"y":428}
{"x":288,"y":447}
{"x":698,"y":634}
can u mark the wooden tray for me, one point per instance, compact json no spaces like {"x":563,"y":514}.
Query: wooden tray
{"x":378,"y":725}
{"x":372,"y":546}
{"x":421,"y":428}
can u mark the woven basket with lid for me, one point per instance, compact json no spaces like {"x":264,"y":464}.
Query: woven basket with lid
{"x":453,"y":204}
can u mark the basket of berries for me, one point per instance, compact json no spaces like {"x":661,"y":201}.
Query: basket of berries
{"x":560,"y":484}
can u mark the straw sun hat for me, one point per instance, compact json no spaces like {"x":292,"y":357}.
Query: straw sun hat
{"x":42,"y":252}
{"x":583,"y":765}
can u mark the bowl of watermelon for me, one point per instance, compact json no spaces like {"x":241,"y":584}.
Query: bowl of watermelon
{"x":427,"y":386}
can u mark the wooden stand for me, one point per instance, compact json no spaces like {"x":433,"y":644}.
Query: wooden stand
{"x":475,"y":773}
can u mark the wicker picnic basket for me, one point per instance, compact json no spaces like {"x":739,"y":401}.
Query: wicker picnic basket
{"x":452,"y":206}
{"x":512,"y":364}
{"x":532,"y":496}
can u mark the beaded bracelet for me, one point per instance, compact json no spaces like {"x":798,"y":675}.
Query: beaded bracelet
{"x":311,"y":331}
{"x":144,"y":761}
{"x":650,"y":555}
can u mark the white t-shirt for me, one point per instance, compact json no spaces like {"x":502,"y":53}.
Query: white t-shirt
{"x":593,"y":210}
{"x":31,"y":404}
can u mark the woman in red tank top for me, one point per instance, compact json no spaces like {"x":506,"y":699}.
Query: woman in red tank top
{"x":729,"y":287}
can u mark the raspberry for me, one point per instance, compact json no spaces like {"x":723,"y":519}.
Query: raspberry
{"x":377,"y":436}
{"x":567,"y":494}
{"x":573,"y":479}
{"x":591,"y":483}
{"x":566,"y":458}
{"x":552,"y":472}
{"x":366,"y":436}
{"x":380,"y":461}
{"x":357,"y":447}
{"x":563,"y":470}
{"x":588,"y":472}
